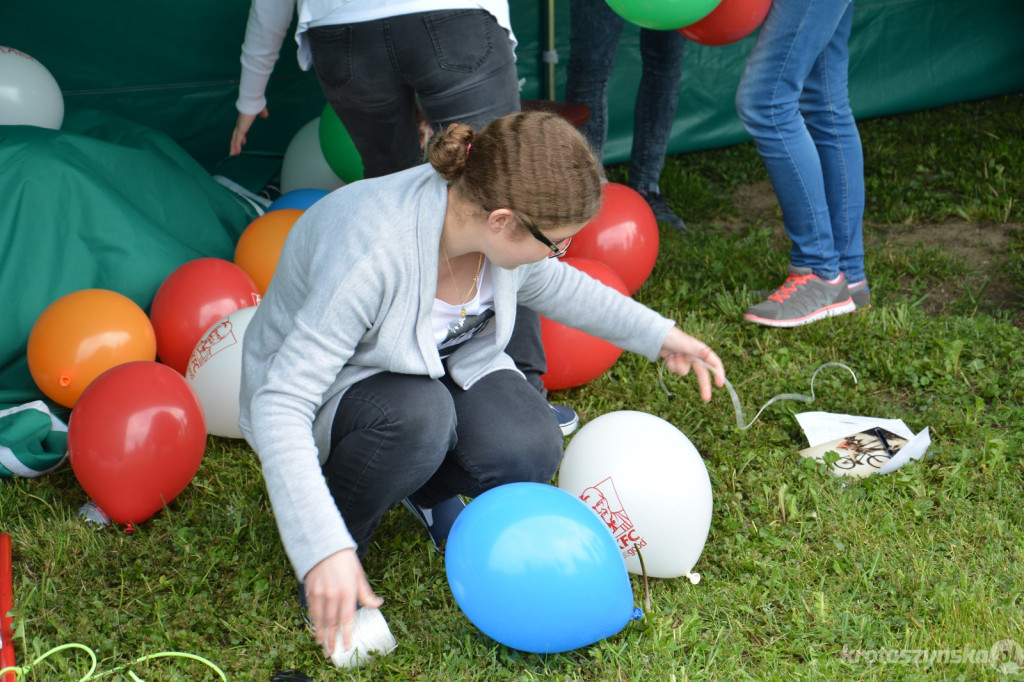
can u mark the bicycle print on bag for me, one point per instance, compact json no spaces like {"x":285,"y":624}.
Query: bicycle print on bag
{"x":860,"y":454}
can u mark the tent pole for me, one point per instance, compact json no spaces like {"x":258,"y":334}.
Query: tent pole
{"x":550,"y":55}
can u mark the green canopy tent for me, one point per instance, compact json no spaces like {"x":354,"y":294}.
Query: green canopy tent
{"x":124,"y":192}
{"x":173,"y":66}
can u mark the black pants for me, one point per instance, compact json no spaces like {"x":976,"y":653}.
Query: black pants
{"x":396,"y":436}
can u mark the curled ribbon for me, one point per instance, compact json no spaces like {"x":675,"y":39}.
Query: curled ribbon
{"x":736,"y":400}
{"x":22,"y":671}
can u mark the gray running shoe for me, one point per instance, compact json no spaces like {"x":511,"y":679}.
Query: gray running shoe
{"x":803,"y":298}
{"x":860,"y":294}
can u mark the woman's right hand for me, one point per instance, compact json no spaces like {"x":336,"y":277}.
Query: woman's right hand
{"x":335,"y":587}
{"x":242,"y":125}
{"x":682,"y":353}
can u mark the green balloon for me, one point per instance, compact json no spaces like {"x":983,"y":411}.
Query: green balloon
{"x":663,"y":15}
{"x":339,"y":150}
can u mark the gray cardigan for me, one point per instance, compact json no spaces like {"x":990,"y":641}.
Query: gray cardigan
{"x":352,"y":296}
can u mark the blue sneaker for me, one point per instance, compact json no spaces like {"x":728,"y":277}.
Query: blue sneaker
{"x":438,"y":519}
{"x":304,"y":607}
{"x":567,"y":418}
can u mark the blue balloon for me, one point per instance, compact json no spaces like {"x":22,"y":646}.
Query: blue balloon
{"x":536,"y":570}
{"x":298,"y":198}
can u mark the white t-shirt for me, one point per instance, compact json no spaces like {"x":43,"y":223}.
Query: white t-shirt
{"x":269,"y":20}
{"x":450,"y":329}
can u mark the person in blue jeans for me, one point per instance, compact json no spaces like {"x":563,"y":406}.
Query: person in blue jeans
{"x":793,"y":99}
{"x":595,"y":30}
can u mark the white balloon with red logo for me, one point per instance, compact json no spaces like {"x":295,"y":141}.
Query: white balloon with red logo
{"x":644,"y":478}
{"x":214,"y":371}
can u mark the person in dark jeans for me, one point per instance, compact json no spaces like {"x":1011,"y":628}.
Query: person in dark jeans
{"x":374,"y":369}
{"x":593,"y":45}
{"x":379,"y":72}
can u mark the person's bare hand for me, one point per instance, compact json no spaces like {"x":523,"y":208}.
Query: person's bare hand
{"x":681,"y":352}
{"x":242,"y":125}
{"x":335,"y":587}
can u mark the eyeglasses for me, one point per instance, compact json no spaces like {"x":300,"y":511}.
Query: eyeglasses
{"x":542,"y":238}
{"x":555,"y":251}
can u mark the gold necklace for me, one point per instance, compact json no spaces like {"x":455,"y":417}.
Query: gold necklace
{"x":455,"y":284}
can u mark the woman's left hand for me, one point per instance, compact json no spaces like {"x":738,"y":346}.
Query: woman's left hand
{"x":681,"y":352}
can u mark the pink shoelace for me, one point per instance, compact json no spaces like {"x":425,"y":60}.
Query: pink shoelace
{"x":789,"y":287}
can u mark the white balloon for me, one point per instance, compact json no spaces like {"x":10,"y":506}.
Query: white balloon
{"x":643,"y":477}
{"x":215,"y":372}
{"x":29,"y":94}
{"x":304,"y":165}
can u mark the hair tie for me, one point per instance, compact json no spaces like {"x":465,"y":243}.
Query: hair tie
{"x":468,"y":147}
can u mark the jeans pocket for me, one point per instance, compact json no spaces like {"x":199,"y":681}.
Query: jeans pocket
{"x":462,"y":38}
{"x":331,"y":47}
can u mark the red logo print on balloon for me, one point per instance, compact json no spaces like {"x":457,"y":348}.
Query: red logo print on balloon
{"x":605,"y":502}
{"x":219,"y":338}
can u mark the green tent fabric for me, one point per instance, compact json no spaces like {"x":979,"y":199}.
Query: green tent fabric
{"x":102,"y":203}
{"x":109,"y":203}
{"x":33,"y":441}
{"x":173,"y":65}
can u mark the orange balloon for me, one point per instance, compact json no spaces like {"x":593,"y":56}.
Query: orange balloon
{"x":261,"y":242}
{"x":83,"y":334}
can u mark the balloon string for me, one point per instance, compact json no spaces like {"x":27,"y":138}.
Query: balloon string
{"x":736,"y":400}
{"x":643,"y":570}
{"x":22,"y":671}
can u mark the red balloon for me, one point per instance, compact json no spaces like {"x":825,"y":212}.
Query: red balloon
{"x":729,"y":22}
{"x":574,"y":357}
{"x":623,"y":235}
{"x":193,"y":298}
{"x":136,"y":438}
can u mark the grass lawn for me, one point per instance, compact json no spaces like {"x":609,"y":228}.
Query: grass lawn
{"x":912,"y":575}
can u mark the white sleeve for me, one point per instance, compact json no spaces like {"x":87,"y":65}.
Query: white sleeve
{"x":264,"y":34}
